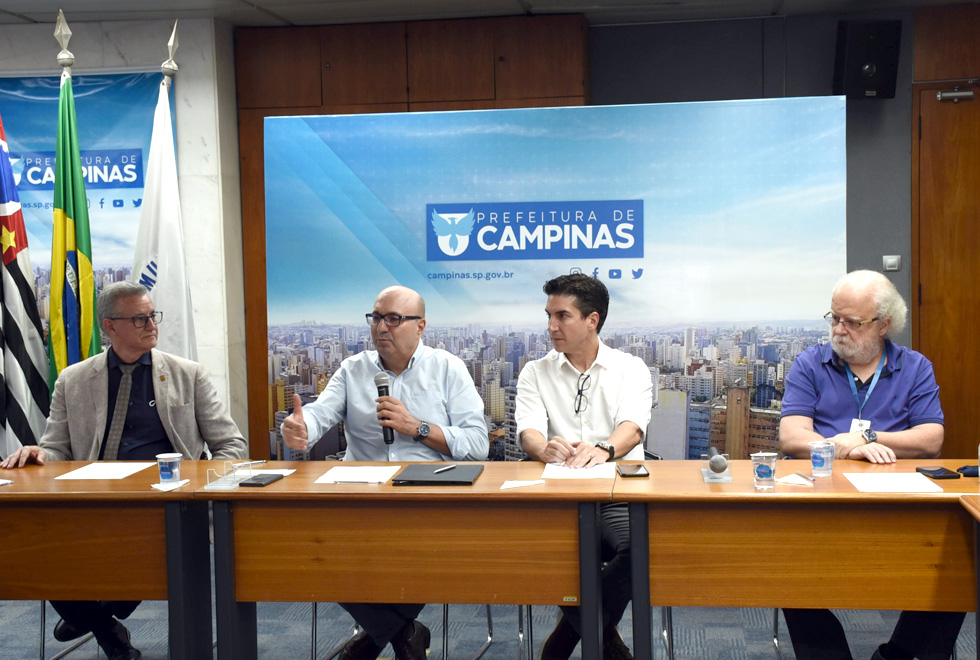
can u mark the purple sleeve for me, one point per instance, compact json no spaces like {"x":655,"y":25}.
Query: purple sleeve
{"x":924,"y":405}
{"x":800,"y":396}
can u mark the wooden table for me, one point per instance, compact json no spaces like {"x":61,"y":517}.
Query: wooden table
{"x":109,"y":540}
{"x":296,"y":540}
{"x":726,"y":545}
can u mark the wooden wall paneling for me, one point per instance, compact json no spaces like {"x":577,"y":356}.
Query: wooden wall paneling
{"x":555,"y":101}
{"x":946,"y":43}
{"x":364,"y":64}
{"x":450,"y":60}
{"x":277,"y":67}
{"x":541,"y":56}
{"x":431,"y":106}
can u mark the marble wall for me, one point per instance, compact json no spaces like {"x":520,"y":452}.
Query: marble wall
{"x":207,"y":161}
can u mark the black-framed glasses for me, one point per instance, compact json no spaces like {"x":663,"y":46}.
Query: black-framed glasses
{"x":140,"y":319}
{"x":391,"y":320}
{"x":849,"y":325}
{"x":582,"y":401}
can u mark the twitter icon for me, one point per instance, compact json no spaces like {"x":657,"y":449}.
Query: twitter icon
{"x":637,"y":273}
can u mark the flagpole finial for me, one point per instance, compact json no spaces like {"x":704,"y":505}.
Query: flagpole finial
{"x":169,"y":67}
{"x":63,"y":35}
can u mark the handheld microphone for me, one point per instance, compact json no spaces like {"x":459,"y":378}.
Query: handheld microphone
{"x":383,"y":381}
{"x":716,"y":461}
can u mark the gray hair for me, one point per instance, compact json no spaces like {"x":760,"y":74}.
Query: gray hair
{"x":107,"y":304}
{"x":888,"y":302}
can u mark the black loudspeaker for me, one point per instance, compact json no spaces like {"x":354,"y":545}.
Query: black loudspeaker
{"x":867,"y":59}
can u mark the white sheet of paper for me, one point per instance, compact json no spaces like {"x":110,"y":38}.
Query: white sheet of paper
{"x":601,"y":471}
{"x":365,"y":474}
{"x":519,"y":484}
{"x":893,"y":482}
{"x":107,"y":470}
{"x":794,"y":480}
{"x":171,"y":486}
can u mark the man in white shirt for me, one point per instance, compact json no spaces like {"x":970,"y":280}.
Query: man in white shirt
{"x":584,"y":404}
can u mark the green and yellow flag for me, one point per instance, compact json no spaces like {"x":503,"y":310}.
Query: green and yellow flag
{"x":74,"y":333}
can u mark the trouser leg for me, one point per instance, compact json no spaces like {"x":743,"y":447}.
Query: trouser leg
{"x":927,"y":635}
{"x":615,"y":573}
{"x":382,"y":620}
{"x":816,"y":635}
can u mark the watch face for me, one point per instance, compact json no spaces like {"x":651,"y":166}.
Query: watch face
{"x":423,"y":429}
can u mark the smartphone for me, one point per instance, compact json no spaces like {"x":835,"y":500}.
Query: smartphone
{"x":263,"y":479}
{"x":938,"y":472}
{"x":633,"y":470}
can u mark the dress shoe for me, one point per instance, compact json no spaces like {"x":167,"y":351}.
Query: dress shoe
{"x":561,"y":642}
{"x":613,"y":646}
{"x":360,"y":647}
{"x":65,"y":632}
{"x":115,"y":643}
{"x":411,"y":641}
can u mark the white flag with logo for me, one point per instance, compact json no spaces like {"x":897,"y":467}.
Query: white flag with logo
{"x":159,"y":262}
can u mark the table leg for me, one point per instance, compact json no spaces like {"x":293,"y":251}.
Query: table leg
{"x":640,"y":572}
{"x":237,"y":629}
{"x":188,"y":580}
{"x":590,"y":565}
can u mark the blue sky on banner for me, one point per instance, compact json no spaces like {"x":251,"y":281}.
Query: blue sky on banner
{"x":743,"y":210}
{"x":115,"y":121}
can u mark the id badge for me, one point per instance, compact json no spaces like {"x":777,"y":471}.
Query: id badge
{"x":860,"y":425}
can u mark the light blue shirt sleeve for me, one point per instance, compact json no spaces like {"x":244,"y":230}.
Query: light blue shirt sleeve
{"x":329,"y":408}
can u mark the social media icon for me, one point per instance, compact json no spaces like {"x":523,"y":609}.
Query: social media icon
{"x":615,"y":274}
{"x":637,"y":273}
{"x":574,"y":270}
{"x":118,"y":203}
{"x":595,"y":273}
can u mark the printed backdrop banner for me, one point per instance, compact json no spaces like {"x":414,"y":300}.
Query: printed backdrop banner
{"x":692,"y":214}
{"x":115,"y":121}
{"x":718,"y":228}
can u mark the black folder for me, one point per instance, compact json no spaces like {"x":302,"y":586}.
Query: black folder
{"x":424,"y":475}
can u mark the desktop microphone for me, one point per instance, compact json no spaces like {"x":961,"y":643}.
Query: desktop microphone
{"x":383,"y":381}
{"x":716,"y":461}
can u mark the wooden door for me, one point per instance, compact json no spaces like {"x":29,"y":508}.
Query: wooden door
{"x":946,"y":255}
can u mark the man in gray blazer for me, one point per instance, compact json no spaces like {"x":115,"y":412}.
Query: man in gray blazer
{"x":172,"y":407}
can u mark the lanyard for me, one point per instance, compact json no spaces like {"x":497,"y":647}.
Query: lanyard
{"x":874,"y":381}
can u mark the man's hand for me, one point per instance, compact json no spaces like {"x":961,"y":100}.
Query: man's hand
{"x":847,"y":442}
{"x":23,"y":456}
{"x":559,"y":450}
{"x":587,"y":456}
{"x":294,"y":428}
{"x":874,"y":452}
{"x":393,"y":414}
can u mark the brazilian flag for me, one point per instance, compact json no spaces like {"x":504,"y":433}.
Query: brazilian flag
{"x":73,"y":332}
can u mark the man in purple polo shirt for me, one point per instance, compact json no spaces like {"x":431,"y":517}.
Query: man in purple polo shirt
{"x":876,"y":401}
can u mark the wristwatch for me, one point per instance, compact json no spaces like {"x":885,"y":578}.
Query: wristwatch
{"x":602,"y":444}
{"x":869,"y":436}
{"x":423,"y":432}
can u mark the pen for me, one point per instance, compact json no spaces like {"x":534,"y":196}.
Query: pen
{"x":806,"y":476}
{"x":247,"y":464}
{"x":444,"y":469}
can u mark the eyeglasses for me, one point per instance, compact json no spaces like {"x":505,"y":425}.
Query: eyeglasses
{"x":391,"y":320}
{"x":582,"y":401}
{"x":140,"y":319}
{"x":848,"y":325}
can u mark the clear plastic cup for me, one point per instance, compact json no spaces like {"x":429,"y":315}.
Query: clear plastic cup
{"x":169,"y":465}
{"x":822,"y":457}
{"x":764,"y":470}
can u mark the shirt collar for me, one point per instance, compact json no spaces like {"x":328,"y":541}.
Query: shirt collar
{"x":115,"y":360}
{"x":601,"y":358}
{"x":416,"y":356}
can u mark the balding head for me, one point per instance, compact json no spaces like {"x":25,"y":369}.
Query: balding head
{"x":878,"y":289}
{"x":403,"y":298}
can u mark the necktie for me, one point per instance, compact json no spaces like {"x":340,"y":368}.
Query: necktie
{"x":119,"y":412}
